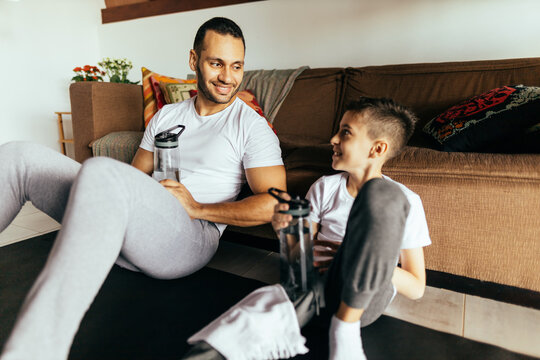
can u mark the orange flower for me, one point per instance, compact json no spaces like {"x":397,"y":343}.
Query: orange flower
{"x":78,"y":68}
{"x":86,"y":67}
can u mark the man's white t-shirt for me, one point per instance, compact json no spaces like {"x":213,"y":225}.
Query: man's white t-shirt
{"x":331,"y":204}
{"x":216,"y":149}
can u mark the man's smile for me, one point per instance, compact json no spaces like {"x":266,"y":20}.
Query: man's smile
{"x":223,"y":89}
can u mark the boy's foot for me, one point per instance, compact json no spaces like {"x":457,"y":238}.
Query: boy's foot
{"x":345,"y":340}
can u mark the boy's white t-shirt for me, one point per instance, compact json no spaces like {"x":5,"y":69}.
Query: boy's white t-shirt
{"x":331,"y":204}
{"x":215,"y":149}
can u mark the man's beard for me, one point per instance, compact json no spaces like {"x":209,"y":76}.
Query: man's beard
{"x":201,"y":86}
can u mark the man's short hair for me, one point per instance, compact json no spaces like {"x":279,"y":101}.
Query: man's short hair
{"x":386,"y":118}
{"x":220,"y":25}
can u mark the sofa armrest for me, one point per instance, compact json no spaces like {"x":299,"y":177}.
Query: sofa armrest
{"x":99,"y":108}
{"x":482,"y":212}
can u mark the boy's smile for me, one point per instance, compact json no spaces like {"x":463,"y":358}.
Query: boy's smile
{"x":352,"y":144}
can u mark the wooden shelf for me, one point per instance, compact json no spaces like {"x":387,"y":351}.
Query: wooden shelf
{"x":61,"y":138}
{"x":160,"y":7}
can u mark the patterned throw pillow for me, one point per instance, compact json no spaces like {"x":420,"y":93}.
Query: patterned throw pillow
{"x":249,"y":98}
{"x":174,"y":93}
{"x":158,"y":95}
{"x":488,"y":122}
{"x":153,"y":99}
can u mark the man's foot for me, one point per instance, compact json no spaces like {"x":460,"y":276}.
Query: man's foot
{"x":345,"y":340}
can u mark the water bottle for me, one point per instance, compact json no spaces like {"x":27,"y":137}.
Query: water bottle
{"x":167,"y":154}
{"x":297,"y":275}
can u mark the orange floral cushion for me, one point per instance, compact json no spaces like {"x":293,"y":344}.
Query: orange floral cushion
{"x":153,"y":98}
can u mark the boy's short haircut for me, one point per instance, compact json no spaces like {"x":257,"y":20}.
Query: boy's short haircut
{"x":222,"y":26}
{"x":387,"y":118}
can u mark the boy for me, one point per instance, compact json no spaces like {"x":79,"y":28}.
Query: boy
{"x":363,"y":222}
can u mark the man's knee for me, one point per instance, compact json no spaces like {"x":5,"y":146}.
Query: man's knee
{"x":101,"y":174}
{"x":100,"y":166}
{"x":14,"y":150}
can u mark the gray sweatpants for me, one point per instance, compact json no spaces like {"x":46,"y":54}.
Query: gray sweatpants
{"x":110,"y":212}
{"x":361,"y":273}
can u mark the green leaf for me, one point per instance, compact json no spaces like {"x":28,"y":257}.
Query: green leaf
{"x":115,"y":78}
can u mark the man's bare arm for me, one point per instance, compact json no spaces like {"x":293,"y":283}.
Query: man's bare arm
{"x":253,"y":210}
{"x":144,"y":161}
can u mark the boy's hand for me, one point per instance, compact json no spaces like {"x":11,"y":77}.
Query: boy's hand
{"x":325,"y":249}
{"x":279,"y":220}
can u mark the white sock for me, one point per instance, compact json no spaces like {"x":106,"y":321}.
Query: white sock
{"x":345,"y":341}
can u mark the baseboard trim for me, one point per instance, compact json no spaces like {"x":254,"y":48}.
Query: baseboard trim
{"x":485,"y":289}
{"x":490,"y":290}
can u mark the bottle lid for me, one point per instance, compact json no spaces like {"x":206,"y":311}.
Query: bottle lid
{"x":167,"y":139}
{"x":297,"y":206}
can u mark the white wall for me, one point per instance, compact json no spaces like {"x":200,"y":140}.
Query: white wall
{"x":40,"y":43}
{"x":322,"y":33}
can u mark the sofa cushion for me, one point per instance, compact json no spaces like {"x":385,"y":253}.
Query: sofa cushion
{"x":431,"y":88}
{"x":150,"y":100}
{"x":489,"y":122}
{"x":158,"y":94}
{"x":176,"y":92}
{"x":315,"y":157}
{"x":159,"y":86}
{"x":119,"y":145}
{"x":311,"y":108}
{"x":299,"y":180}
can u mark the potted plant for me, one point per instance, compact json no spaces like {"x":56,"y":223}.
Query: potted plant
{"x":117,"y":70}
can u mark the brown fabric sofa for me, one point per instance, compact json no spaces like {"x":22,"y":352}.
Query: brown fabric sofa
{"x":482,"y":208}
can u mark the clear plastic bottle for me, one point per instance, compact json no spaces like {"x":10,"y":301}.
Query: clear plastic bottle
{"x":167,"y":154}
{"x":297,"y":275}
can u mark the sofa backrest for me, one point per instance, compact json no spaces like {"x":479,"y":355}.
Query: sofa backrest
{"x":308,"y":114}
{"x":429,"y":89}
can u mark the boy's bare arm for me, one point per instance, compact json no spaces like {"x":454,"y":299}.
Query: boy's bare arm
{"x":410,"y":279}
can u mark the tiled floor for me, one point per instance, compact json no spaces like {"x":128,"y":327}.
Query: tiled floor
{"x":29,"y":223}
{"x":513,"y":327}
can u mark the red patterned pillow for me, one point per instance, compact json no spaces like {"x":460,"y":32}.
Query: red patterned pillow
{"x":487,"y":122}
{"x":248,"y":97}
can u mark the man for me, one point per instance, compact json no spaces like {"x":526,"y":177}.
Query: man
{"x":113,"y":213}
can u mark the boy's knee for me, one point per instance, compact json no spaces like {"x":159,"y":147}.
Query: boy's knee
{"x":383,"y":197}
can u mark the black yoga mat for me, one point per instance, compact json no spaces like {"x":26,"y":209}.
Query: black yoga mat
{"x":136,"y":317}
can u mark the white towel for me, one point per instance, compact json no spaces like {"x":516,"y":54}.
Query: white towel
{"x":263,"y":325}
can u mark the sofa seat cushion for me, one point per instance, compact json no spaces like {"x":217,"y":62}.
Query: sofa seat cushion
{"x":119,"y":145}
{"x":414,"y":161}
{"x":315,"y":157}
{"x":481,"y":212}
